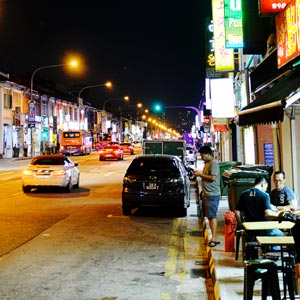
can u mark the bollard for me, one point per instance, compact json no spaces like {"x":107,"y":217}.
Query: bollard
{"x":229,"y":231}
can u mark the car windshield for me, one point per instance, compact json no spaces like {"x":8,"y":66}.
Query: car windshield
{"x":152,"y":165}
{"x":48,"y":161}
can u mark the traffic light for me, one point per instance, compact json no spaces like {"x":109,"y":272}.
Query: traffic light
{"x":157,"y":107}
{"x":45,"y":133}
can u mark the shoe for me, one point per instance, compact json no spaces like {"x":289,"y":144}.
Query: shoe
{"x":213,"y":243}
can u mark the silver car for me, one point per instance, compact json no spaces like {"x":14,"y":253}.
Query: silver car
{"x":51,"y":171}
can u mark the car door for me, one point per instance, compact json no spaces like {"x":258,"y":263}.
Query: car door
{"x":71,"y":170}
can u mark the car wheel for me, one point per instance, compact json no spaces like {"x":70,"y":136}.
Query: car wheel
{"x":68,"y":188}
{"x":126,"y":210}
{"x":77,"y":184}
{"x":26,"y":189}
{"x":181,"y":212}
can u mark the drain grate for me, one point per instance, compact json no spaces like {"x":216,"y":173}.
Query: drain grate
{"x":196,"y":233}
{"x":196,"y":273}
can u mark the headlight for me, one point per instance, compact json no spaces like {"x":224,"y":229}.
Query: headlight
{"x":27,"y":172}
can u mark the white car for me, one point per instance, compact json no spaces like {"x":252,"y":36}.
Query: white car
{"x":190,"y":154}
{"x":51,"y":171}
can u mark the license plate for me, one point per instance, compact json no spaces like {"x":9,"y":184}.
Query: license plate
{"x":151,"y":186}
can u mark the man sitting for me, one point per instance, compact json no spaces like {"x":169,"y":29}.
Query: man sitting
{"x":254,"y":206}
{"x":282,"y":196}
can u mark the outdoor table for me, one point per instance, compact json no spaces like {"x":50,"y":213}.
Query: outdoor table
{"x":265,"y":225}
{"x":281,"y":241}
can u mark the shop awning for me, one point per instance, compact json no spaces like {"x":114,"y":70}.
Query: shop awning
{"x":269,"y":106}
{"x":220,"y":127}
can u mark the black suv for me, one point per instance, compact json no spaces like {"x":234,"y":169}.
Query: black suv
{"x":158,"y":181}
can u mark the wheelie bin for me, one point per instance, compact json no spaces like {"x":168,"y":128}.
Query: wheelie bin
{"x":241,"y":178}
{"x":226,"y":165}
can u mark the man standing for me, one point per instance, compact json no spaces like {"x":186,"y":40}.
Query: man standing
{"x":282,"y":196}
{"x":211,"y":192}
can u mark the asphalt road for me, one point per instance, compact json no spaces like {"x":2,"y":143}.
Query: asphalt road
{"x":62,"y":246}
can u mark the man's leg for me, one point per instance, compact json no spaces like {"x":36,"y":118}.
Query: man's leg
{"x":213,"y":224}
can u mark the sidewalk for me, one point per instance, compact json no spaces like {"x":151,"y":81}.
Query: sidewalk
{"x":229,"y":273}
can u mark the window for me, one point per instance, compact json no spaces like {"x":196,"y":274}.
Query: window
{"x":7,"y":101}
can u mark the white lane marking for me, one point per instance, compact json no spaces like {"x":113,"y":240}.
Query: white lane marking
{"x":109,"y":173}
{"x":6,"y":173}
{"x":18,"y":194}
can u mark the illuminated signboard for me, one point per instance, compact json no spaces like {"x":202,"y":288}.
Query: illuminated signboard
{"x":224,"y":60}
{"x":222,"y":98}
{"x":209,"y":44}
{"x":267,"y":7}
{"x":233,"y":24}
{"x":288,"y":33}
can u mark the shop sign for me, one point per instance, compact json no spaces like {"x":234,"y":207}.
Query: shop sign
{"x":288,"y":33}
{"x":233,"y":24}
{"x":267,"y":7}
{"x":224,"y":58}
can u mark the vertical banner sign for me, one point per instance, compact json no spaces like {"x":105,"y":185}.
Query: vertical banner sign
{"x":31,"y":115}
{"x":209,"y":44}
{"x":54,"y":124}
{"x":233,"y":24}
{"x":224,"y":57}
{"x":288,"y":33}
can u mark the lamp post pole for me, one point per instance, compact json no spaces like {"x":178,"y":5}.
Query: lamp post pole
{"x":107,"y":84}
{"x":31,"y":117}
{"x":126,"y":98}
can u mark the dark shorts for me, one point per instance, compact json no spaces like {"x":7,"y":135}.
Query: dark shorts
{"x":210,"y":206}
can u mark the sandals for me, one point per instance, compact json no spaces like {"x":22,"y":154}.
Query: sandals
{"x":212,"y":243}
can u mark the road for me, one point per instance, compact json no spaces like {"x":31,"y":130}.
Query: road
{"x":78,"y":245}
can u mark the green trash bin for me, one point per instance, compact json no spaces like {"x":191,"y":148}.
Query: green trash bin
{"x":236,"y":188}
{"x":226,"y":165}
{"x":238,"y":180}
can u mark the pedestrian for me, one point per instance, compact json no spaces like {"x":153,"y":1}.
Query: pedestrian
{"x":210,"y":191}
{"x":25,"y":149}
{"x":282,"y":196}
{"x":253,"y":206}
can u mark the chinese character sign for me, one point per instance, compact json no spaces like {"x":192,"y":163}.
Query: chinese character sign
{"x":223,"y":56}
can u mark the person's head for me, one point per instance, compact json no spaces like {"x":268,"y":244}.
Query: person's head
{"x":261,"y":183}
{"x":205,"y":153}
{"x":279,"y":180}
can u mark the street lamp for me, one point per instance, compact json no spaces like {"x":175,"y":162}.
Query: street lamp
{"x":72,"y":64}
{"x":107,"y":84}
{"x":31,"y":116}
{"x":126,"y":98}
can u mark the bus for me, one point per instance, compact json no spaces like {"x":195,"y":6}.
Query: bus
{"x":76,"y":142}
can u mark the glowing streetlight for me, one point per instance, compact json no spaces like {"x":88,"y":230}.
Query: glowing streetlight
{"x":72,"y":64}
{"x":107,"y":84}
{"x":31,"y":109}
{"x":126,"y":98}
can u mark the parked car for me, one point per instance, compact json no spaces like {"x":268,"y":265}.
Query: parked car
{"x":127,"y":148}
{"x":111,"y":152}
{"x":158,"y":181}
{"x":137,"y":144}
{"x":190,"y":154}
{"x":50,"y":171}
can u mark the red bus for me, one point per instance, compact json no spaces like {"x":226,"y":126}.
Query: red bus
{"x":76,"y":142}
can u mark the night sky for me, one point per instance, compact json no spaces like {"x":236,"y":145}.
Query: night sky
{"x":150,"y":50}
